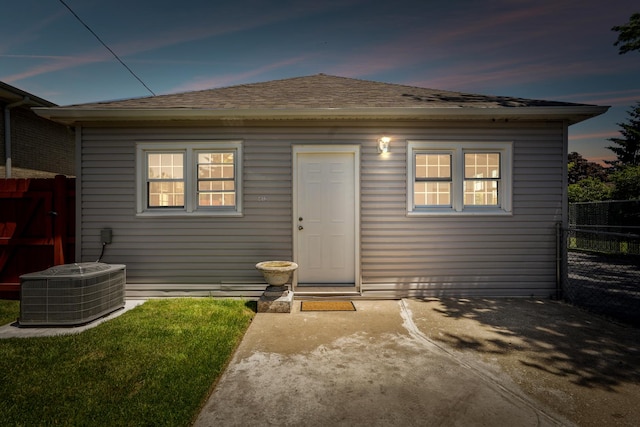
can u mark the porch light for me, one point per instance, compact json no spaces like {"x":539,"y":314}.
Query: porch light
{"x":383,"y":144}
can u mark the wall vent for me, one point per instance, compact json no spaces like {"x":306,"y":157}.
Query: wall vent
{"x":71,"y":294}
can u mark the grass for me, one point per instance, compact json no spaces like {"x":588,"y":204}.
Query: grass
{"x":596,"y":244}
{"x":9,"y":311}
{"x":153,"y":365}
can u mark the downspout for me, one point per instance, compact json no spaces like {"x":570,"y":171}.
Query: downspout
{"x":7,"y":133}
{"x":78,"y":207}
{"x":563,"y":224}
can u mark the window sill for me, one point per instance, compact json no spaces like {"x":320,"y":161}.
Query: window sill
{"x":183,"y":214}
{"x":450,"y":213}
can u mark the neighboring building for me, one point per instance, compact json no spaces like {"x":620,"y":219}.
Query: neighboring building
{"x":31,"y":146}
{"x":198,"y":187}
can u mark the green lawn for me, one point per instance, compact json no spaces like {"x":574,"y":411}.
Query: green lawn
{"x":153,"y":365}
{"x":9,"y":311}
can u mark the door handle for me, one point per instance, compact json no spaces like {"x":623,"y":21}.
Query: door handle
{"x":300,"y":227}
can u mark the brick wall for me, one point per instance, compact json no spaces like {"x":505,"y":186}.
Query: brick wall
{"x":38,"y":144}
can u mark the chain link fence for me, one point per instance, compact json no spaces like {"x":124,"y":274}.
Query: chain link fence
{"x":611,"y":216}
{"x":602,"y":250}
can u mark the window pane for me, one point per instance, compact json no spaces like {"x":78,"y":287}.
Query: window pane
{"x":482,"y":165}
{"x":215,"y":171}
{"x":227,"y":171}
{"x":432,"y":194}
{"x":215,"y":158}
{"x":433,"y":166}
{"x":481,"y":193}
{"x":165,"y":166}
{"x":217,"y":199}
{"x":154,"y":160}
{"x":206,"y":158}
{"x":209,"y":171}
{"x":166,"y":194}
{"x":205,"y":199}
{"x":211,"y":186}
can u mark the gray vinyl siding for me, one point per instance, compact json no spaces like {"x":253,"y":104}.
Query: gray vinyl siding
{"x":400,"y":255}
{"x":486,"y":255}
{"x":167,"y":255}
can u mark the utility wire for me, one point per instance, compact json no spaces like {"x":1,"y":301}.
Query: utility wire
{"x":107,"y":47}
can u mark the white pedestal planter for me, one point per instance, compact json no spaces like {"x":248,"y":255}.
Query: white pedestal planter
{"x":276,"y":298}
{"x":277,"y":273}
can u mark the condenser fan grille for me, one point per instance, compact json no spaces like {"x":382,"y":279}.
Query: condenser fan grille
{"x":71,"y":294}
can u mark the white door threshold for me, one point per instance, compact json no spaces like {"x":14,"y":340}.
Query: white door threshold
{"x":325,"y":291}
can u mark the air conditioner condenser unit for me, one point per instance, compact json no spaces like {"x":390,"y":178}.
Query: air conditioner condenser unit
{"x":71,"y":294}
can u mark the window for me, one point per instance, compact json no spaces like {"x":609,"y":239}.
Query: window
{"x":165,"y":180}
{"x":481,"y":179}
{"x":189,"y":178}
{"x":457,"y":177}
{"x":432,"y":185}
{"x":216,"y":178}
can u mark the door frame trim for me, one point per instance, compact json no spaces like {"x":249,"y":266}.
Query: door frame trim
{"x":320,"y":149}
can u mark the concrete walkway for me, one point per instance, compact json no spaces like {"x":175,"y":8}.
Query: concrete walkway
{"x":375,"y":366}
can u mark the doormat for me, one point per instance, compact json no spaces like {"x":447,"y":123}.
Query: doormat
{"x":327,"y":306}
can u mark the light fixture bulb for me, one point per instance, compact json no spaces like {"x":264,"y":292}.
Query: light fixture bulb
{"x":383,"y":144}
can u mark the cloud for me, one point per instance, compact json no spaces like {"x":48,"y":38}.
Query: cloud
{"x":58,"y":64}
{"x":479,"y":23}
{"x":621,"y":101}
{"x":594,"y":135}
{"x":621,"y":98}
{"x":167,"y":37}
{"x":29,"y":33}
{"x":52,"y":57}
{"x":482,"y":47}
{"x":514,"y":71}
{"x":235,"y":78}
{"x":602,"y":160}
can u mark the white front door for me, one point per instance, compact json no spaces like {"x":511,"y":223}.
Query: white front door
{"x":326,"y":215}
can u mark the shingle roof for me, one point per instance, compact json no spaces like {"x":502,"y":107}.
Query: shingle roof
{"x":320,"y":97}
{"x":319,"y":91}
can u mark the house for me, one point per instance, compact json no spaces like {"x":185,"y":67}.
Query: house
{"x":31,"y":146}
{"x":374,"y":189}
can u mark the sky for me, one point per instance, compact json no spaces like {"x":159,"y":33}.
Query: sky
{"x":560,"y":50}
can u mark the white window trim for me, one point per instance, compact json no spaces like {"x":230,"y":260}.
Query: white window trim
{"x":190,"y":148}
{"x":457,"y":149}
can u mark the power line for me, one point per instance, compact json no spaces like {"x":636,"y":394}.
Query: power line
{"x":108,"y":48}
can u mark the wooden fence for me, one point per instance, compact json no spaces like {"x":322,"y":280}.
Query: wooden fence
{"x":37,"y":228}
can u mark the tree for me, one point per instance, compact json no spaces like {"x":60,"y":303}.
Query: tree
{"x":588,"y":181}
{"x":626,"y":176}
{"x":628,"y":150}
{"x":581,"y":168}
{"x":629,"y":35}
{"x":626,"y":183}
{"x":589,"y":190}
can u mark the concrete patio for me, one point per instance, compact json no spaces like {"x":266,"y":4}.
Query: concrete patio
{"x":432,"y":362}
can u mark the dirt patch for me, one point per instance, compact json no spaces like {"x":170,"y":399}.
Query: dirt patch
{"x":580,"y":365}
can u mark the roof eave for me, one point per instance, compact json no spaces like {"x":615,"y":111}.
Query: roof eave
{"x":572,"y":114}
{"x":13,"y":94}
